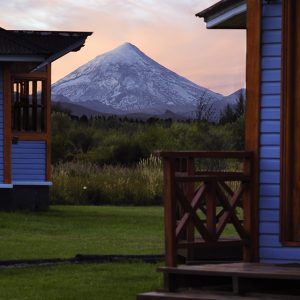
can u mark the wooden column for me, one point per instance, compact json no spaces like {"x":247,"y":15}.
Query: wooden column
{"x":252,"y":122}
{"x":7,"y":125}
{"x":48,"y":124}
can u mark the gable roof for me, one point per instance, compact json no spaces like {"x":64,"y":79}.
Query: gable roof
{"x":39,"y":46}
{"x":225,"y":14}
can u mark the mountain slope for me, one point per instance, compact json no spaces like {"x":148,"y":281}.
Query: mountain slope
{"x":128,"y":81}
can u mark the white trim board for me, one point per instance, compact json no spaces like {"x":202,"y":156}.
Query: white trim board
{"x":6,"y":186}
{"x":33,"y":183}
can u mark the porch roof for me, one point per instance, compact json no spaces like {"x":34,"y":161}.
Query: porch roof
{"x":39,"y":46}
{"x":225,"y":14}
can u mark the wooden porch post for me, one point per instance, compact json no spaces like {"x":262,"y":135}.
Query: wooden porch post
{"x":169,"y":212}
{"x":252,"y":120}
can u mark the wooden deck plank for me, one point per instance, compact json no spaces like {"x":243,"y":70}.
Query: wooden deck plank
{"x":242,"y":270}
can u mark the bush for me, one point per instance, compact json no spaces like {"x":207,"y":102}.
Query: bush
{"x":79,"y":183}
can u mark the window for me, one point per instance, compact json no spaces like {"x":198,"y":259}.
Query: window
{"x":28,"y":105}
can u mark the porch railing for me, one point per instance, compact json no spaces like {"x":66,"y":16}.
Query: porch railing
{"x":201,"y":199}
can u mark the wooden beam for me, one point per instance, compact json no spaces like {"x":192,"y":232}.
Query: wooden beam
{"x":252,"y":123}
{"x":30,"y":136}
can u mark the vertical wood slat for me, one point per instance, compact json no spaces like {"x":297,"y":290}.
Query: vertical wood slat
{"x":18,"y":112}
{"x":34,"y":106}
{"x":211,"y":217}
{"x":169,"y":212}
{"x":26,"y":107}
{"x":190,"y":194}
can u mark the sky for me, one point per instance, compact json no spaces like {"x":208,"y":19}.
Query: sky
{"x":165,"y":30}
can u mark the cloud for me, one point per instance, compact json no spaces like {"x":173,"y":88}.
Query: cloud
{"x":167,"y":31}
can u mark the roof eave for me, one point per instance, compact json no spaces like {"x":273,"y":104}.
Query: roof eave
{"x":74,"y":47}
{"x":225,"y":15}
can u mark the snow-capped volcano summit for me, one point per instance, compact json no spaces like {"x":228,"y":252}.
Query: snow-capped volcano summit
{"x":125,"y":80}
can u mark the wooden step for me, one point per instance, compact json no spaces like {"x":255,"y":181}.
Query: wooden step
{"x":211,"y":296}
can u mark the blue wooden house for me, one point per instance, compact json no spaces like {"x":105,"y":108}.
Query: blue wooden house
{"x":269,"y":179}
{"x":25,"y":113}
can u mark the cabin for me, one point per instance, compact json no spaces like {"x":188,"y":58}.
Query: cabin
{"x":260,"y":196}
{"x":25,"y":113}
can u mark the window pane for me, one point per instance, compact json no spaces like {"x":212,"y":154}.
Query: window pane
{"x":39,"y":92}
{"x":28,"y":105}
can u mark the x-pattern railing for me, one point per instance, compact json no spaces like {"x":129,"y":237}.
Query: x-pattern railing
{"x":203,"y":203}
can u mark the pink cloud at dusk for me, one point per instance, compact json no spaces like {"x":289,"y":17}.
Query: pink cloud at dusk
{"x":167,"y":31}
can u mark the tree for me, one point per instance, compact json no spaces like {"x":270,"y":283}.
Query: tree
{"x":233,"y":112}
{"x":205,"y":108}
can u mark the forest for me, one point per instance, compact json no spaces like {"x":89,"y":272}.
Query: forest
{"x":111,"y":160}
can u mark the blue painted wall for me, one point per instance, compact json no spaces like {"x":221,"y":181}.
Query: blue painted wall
{"x":1,"y":128}
{"x":29,"y":161}
{"x":271,"y":250}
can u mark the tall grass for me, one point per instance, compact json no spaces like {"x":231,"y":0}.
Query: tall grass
{"x":87,"y":183}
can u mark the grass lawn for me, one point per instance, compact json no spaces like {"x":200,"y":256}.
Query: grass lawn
{"x":65,"y":231}
{"x":87,"y":281}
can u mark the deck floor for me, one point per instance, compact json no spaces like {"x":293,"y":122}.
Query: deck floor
{"x":239,"y":279}
{"x":249,"y":270}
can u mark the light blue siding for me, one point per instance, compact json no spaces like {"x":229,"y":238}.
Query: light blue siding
{"x":1,"y":128}
{"x":29,"y":161}
{"x":271,"y":113}
{"x":272,"y":11}
{"x":269,"y":177}
{"x":271,"y":50}
{"x":269,"y":101}
{"x":270,"y":75}
{"x":269,"y":215}
{"x":269,"y":202}
{"x":269,"y":190}
{"x":272,"y":36}
{"x":269,"y":165}
{"x":270,"y":151}
{"x":269,"y":139}
{"x":270,"y":88}
{"x":271,"y":22}
{"x":270,"y":126}
{"x":269,"y":241}
{"x":271,"y":250}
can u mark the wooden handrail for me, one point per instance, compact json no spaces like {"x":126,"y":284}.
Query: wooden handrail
{"x":205,"y":154}
{"x":220,"y":176}
{"x":187,"y":190}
